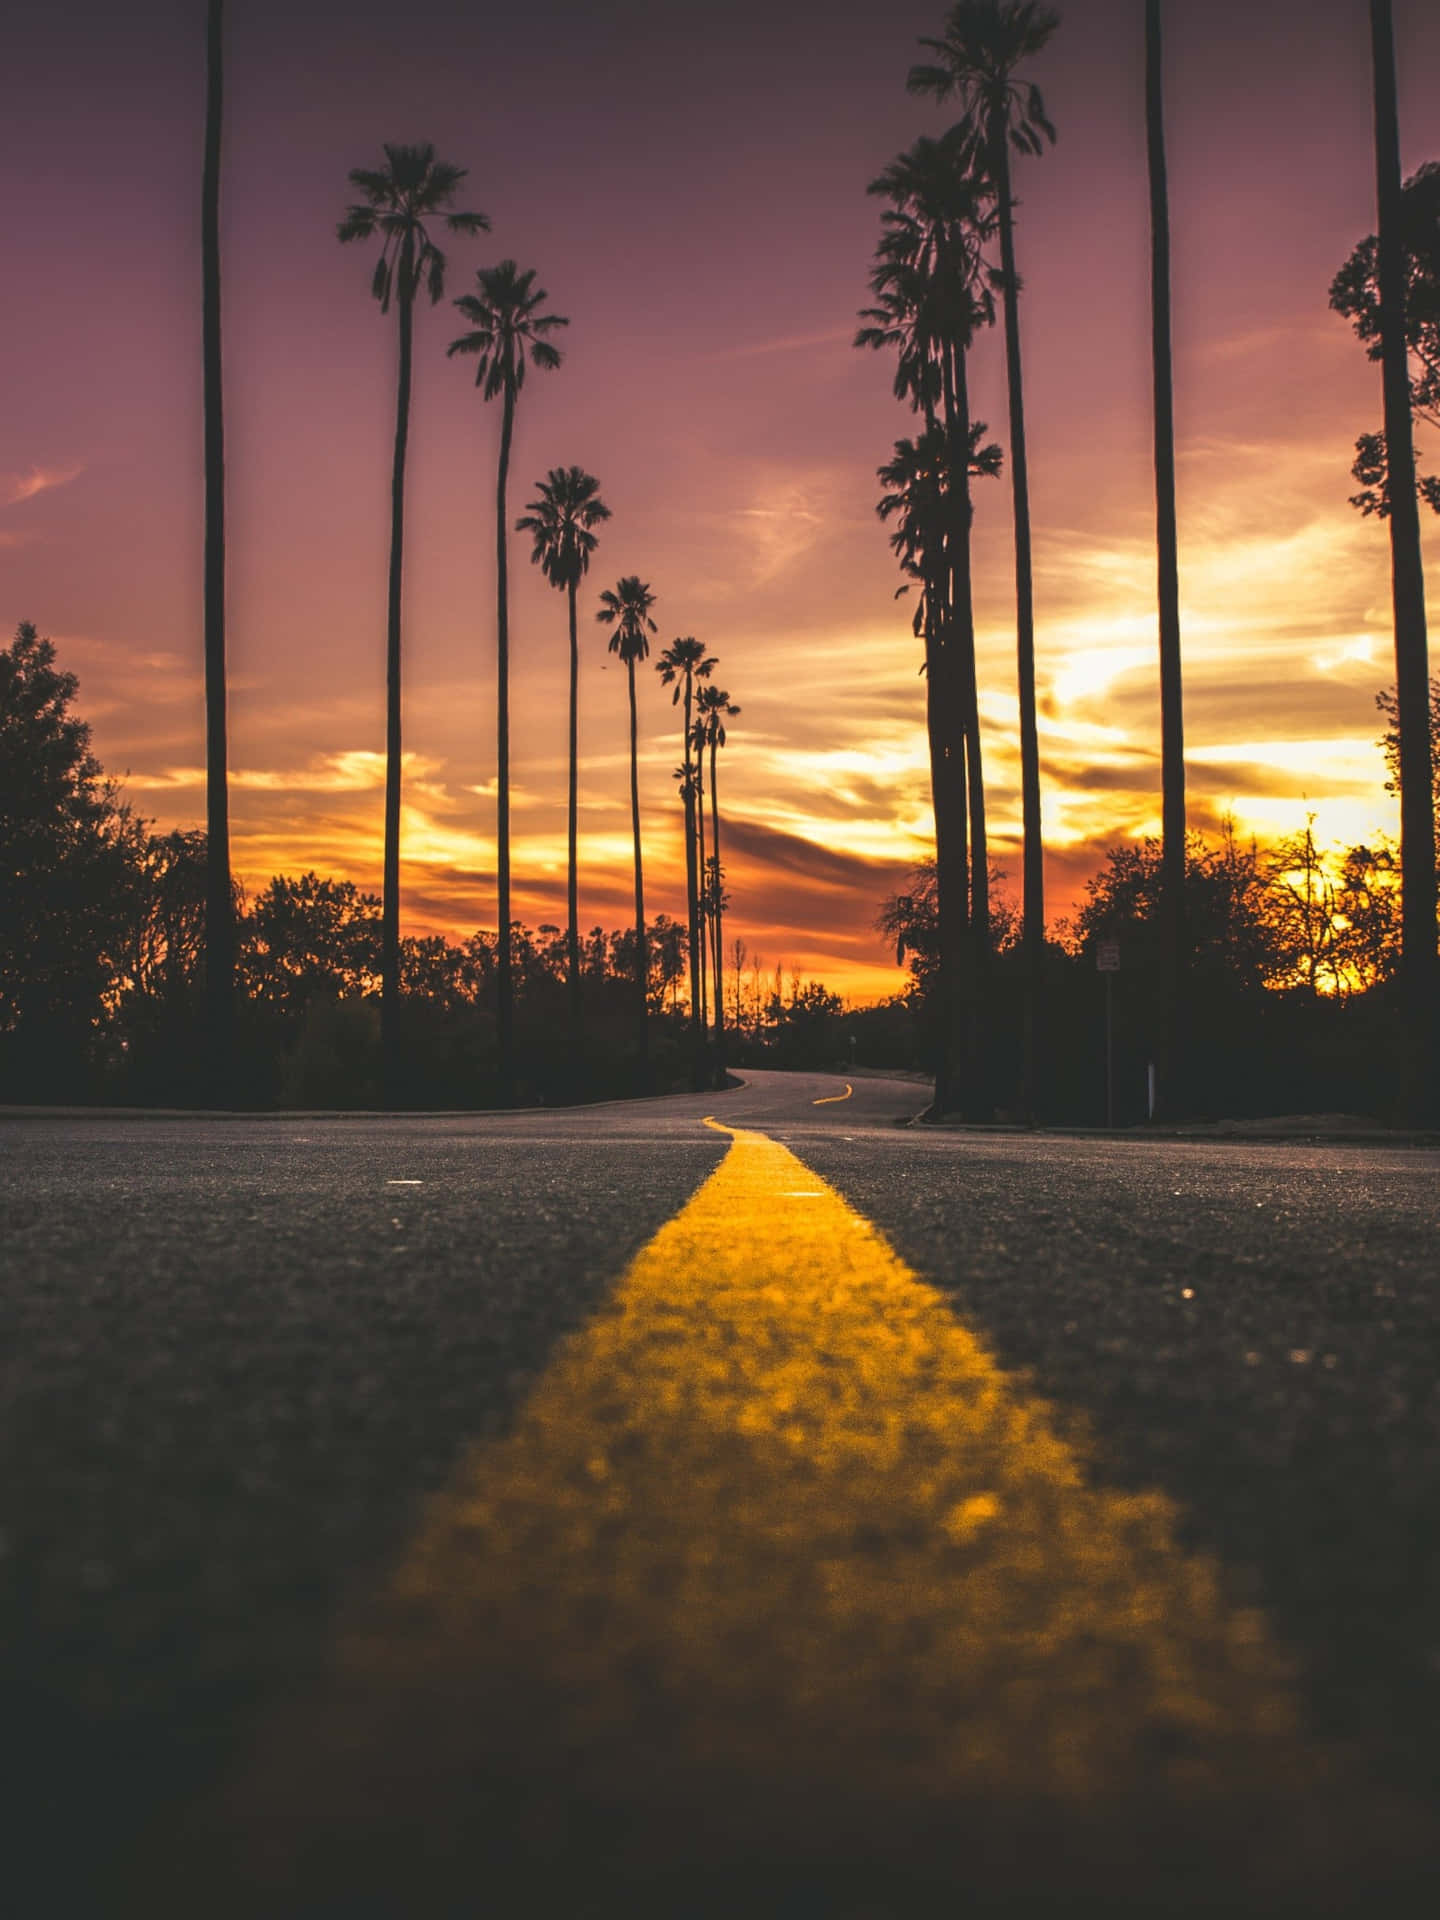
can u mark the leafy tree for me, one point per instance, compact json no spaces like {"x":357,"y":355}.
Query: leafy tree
{"x":1390,"y":740}
{"x":978,"y":58}
{"x":402,"y":201}
{"x":508,"y":331}
{"x":626,"y":611}
{"x":311,"y":938}
{"x":682,"y":663}
{"x":561,"y":522}
{"x":171,"y":949}
{"x":1355,"y":293}
{"x":70,"y":854}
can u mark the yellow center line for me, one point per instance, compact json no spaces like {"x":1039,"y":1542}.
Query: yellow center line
{"x":774,"y":1518}
{"x":831,"y":1098}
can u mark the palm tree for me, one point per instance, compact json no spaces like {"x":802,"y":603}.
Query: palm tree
{"x":1417,"y":820}
{"x":507,"y":330}
{"x":696,"y":778}
{"x":682,"y":663}
{"x":985,"y":42}
{"x":562,"y":524}
{"x":918,"y":495}
{"x":409,"y":190}
{"x":1172,"y":721}
{"x":714,"y":710}
{"x":929,"y":279}
{"x":219,"y":901}
{"x":626,"y":611}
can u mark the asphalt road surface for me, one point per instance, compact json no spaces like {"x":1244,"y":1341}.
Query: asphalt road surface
{"x":606,"y":1512}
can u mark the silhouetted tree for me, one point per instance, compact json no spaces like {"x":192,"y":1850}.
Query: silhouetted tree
{"x":311,"y":938}
{"x":917,"y":493}
{"x":507,"y":330}
{"x":682,"y":663}
{"x":626,"y":611}
{"x":562,"y":522}
{"x":1390,"y":744}
{"x":1417,"y":807}
{"x":171,"y":922}
{"x":714,"y":710}
{"x":70,"y":854}
{"x":412,"y":188}
{"x":219,"y":894}
{"x":984,"y":44}
{"x":1355,"y":292}
{"x":930,"y":281}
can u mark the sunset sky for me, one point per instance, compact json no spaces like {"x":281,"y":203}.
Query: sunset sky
{"x":689,"y":183}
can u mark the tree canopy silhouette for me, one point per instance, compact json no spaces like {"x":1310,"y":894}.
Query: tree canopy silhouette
{"x":68,"y":856}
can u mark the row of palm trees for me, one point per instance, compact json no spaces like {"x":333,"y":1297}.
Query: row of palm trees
{"x":406,"y":205}
{"x":935,"y":281}
{"x":509,"y":331}
{"x":935,"y":285}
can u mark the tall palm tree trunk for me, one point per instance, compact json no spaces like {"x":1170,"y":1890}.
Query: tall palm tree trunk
{"x":701,"y":903}
{"x":1407,"y":578}
{"x":573,"y":931}
{"x":963,"y":612}
{"x":948,"y":803}
{"x":716,"y":927}
{"x":1172,"y":1079}
{"x":1033,"y":854}
{"x":692,"y":893}
{"x":965,"y":728}
{"x":642,"y":956}
{"x":505,"y":984}
{"x":390,"y":1061}
{"x":219,"y":897}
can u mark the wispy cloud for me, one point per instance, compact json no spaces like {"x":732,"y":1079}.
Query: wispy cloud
{"x":25,"y":486}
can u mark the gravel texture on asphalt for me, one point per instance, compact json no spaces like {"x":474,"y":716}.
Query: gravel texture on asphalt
{"x":239,"y":1353}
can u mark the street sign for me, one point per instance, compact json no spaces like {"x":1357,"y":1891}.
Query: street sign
{"x":1107,"y":956}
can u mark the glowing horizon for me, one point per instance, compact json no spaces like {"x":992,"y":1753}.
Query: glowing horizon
{"x":712,"y":279}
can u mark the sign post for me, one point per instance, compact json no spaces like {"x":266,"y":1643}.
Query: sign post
{"x":1107,"y":961}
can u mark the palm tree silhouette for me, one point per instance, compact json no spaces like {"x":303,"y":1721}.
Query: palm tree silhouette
{"x":695,"y":776}
{"x":411,"y":189}
{"x":1170,"y":1093}
{"x":507,"y":330}
{"x":714,"y":710}
{"x":929,"y":279}
{"x":562,"y":523}
{"x":682,"y":663}
{"x":1412,"y":691}
{"x":984,"y":43}
{"x":626,"y":611}
{"x":918,"y":497}
{"x":219,"y":898}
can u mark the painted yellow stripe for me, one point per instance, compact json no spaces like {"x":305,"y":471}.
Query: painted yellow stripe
{"x":831,"y":1098}
{"x":774,"y":1517}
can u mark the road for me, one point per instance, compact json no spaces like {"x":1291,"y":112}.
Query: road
{"x":611,"y":1512}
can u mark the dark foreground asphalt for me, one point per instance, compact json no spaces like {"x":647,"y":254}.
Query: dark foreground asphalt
{"x":238,"y":1353}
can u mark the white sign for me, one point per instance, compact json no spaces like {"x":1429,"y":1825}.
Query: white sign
{"x":1107,"y":956}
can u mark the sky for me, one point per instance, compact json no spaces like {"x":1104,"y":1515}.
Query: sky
{"x":689,"y":184}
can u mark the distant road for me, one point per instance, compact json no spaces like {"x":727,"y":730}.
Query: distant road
{"x":500,"y":1514}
